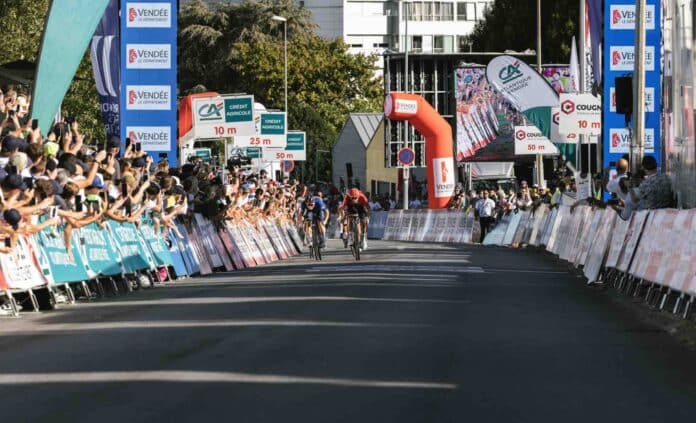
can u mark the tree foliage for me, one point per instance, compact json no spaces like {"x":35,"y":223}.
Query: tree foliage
{"x":235,"y":48}
{"x":511,"y":25}
{"x":22,"y":23}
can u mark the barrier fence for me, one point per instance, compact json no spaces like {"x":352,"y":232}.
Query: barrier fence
{"x":43,"y":269}
{"x":431,"y":226}
{"x":652,"y":255}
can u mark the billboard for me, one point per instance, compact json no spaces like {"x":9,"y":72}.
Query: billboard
{"x":619,"y":58}
{"x":486,"y":121}
{"x":148,"y":75}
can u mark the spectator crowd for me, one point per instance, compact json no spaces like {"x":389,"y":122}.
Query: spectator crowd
{"x":54,"y":179}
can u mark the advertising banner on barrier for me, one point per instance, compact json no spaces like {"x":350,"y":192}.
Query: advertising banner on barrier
{"x":423,"y":225}
{"x":178,"y":261}
{"x":157,"y":245}
{"x":191,"y":260}
{"x":19,"y":268}
{"x":64,"y":267}
{"x":599,"y":246}
{"x":127,"y":241}
{"x":102,"y":256}
{"x":632,"y":237}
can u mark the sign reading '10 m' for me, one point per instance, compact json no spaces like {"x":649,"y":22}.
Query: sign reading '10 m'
{"x":271,"y":131}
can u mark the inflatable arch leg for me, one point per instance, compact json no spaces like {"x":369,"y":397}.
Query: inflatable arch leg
{"x":439,"y":154}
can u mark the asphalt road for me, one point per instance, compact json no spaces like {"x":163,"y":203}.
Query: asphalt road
{"x":414,"y":333}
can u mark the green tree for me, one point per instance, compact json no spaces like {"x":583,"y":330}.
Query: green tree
{"x":22,"y":23}
{"x":238,"y":48}
{"x":511,"y":25}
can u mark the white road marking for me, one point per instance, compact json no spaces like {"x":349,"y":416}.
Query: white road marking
{"x":177,"y":376}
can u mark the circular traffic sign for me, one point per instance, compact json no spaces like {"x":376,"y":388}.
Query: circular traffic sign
{"x":287,"y":166}
{"x":406,"y":156}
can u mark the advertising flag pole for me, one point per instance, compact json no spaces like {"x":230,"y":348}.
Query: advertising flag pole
{"x":639,"y":88}
{"x":405,"y":173}
{"x":581,"y":78}
{"x":539,"y":157}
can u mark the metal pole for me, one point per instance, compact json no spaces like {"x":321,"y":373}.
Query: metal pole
{"x":639,"y":88}
{"x":405,"y":173}
{"x":285,"y":52}
{"x":539,"y":158}
{"x":581,"y":77}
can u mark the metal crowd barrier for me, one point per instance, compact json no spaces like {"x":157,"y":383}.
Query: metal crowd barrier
{"x":652,"y":255}
{"x":116,"y":257}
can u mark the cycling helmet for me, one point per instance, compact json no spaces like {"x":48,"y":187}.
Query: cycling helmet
{"x":354,"y":193}
{"x":309,"y":200}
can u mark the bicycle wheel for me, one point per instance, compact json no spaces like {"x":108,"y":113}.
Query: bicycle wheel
{"x":356,"y":241}
{"x":316,"y":243}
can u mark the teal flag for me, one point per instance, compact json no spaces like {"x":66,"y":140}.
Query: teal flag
{"x":67,"y":33}
{"x":541,"y":118}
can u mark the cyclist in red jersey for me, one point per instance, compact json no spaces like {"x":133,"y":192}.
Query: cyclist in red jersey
{"x":356,"y":203}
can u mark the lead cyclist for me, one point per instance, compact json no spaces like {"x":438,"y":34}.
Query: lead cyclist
{"x":356,"y":203}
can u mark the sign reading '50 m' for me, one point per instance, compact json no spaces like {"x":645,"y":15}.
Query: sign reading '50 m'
{"x":224,"y":117}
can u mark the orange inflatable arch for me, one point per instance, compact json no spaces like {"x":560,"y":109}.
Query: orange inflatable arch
{"x":439,"y":152}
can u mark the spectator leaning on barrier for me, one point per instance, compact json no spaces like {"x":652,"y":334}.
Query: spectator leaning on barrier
{"x":524,"y":198}
{"x":655,"y":191}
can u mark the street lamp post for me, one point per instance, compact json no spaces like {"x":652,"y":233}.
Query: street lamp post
{"x":285,"y":54}
{"x":285,"y":59}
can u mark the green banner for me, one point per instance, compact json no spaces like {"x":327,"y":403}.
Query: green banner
{"x":67,"y":33}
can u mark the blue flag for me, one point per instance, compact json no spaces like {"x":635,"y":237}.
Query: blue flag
{"x":106,"y":64}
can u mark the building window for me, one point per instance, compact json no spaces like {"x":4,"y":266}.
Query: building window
{"x":463,"y":45}
{"x":356,"y":45}
{"x":438,"y":44}
{"x":380,"y":45}
{"x":466,"y":11}
{"x":427,"y":11}
{"x":301,"y":4}
{"x":482,"y":9}
{"x":414,"y":11}
{"x":417,"y":43}
{"x":446,"y":11}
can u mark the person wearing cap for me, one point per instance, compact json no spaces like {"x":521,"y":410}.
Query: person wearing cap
{"x":9,"y":225}
{"x":93,"y":200}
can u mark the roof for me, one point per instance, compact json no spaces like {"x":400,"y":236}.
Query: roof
{"x":366,"y":125}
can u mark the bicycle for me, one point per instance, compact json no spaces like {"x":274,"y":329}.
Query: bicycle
{"x":354,"y":236}
{"x":312,"y":232}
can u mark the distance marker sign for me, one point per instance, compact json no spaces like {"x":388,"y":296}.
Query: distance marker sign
{"x":223,"y":117}
{"x":294,"y":150}
{"x":580,"y":114}
{"x":272,"y":131}
{"x":530,"y":140}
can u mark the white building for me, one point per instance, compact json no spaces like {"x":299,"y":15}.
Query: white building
{"x":372,"y":26}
